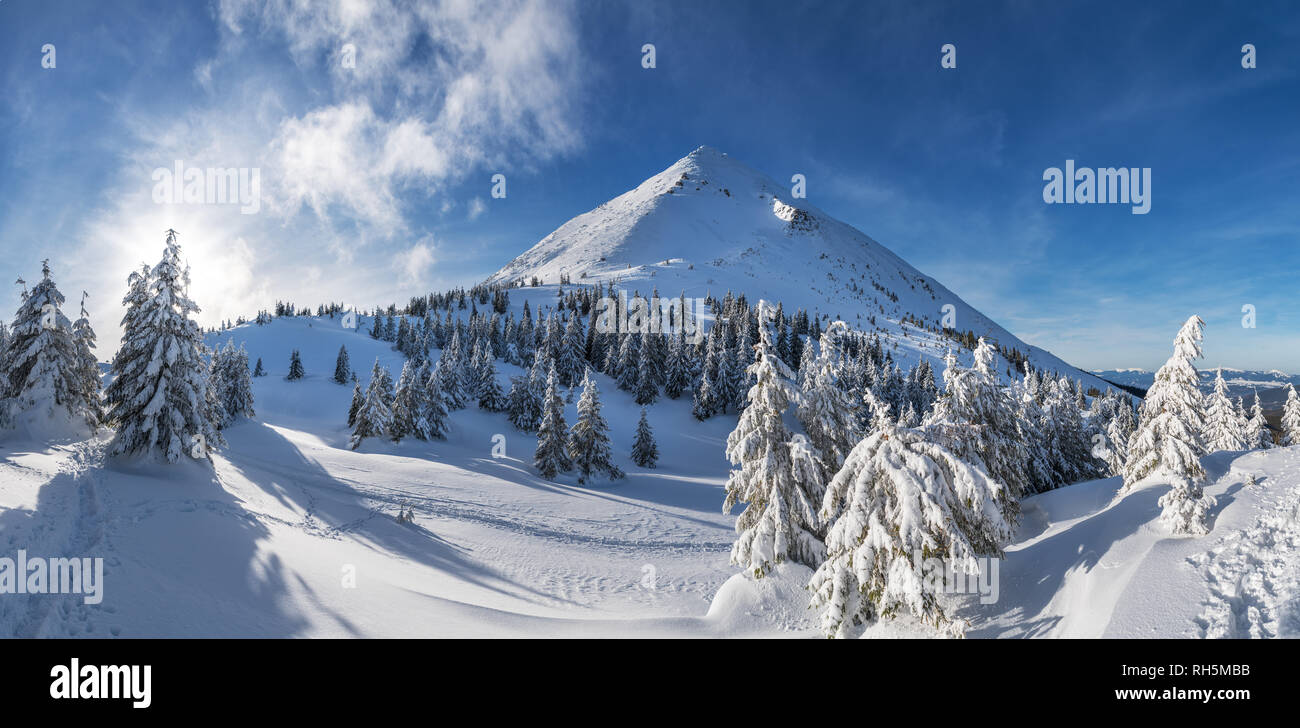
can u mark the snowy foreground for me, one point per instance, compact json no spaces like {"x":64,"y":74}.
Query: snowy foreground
{"x":293,"y":534}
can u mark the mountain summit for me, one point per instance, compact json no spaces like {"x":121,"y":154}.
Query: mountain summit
{"x":709,"y":224}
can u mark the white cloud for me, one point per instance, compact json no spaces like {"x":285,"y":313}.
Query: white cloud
{"x":414,"y":264}
{"x":476,"y":207}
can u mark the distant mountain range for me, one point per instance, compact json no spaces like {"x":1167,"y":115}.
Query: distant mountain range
{"x":1243,"y":383}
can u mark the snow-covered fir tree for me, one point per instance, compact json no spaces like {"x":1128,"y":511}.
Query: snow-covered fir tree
{"x":1168,"y":439}
{"x":451,"y":372}
{"x":771,"y":476}
{"x":435,"y":410}
{"x":296,"y":371}
{"x":159,"y":376}
{"x":645,"y":452}
{"x":408,"y":406}
{"x":975,"y":418}
{"x":342,"y":367}
{"x":375,"y":417}
{"x":551,"y":457}
{"x":1119,"y":431}
{"x":901,"y":498}
{"x":729,"y":382}
{"x":629,"y":359}
{"x":87,"y":365}
{"x":1290,"y":419}
{"x":231,"y":383}
{"x":1224,"y":427}
{"x":1258,"y":434}
{"x":523,"y":405}
{"x":1065,"y":434}
{"x":570,"y":354}
{"x":647,"y":390}
{"x":46,"y":370}
{"x":678,"y":378}
{"x":704,"y":401}
{"x":358,"y":399}
{"x":1040,"y":468}
{"x":258,"y":371}
{"x":827,"y":410}
{"x":589,"y":439}
{"x":490,"y":396}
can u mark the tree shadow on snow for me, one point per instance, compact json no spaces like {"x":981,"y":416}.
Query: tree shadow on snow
{"x":1031,"y":577}
{"x":336,"y":509}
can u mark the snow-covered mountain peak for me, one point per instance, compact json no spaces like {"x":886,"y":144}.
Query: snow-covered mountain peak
{"x":709,"y":223}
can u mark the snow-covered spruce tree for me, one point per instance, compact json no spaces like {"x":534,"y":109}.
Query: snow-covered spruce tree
{"x":902,"y":498}
{"x":1168,"y":439}
{"x":231,"y":383}
{"x":1224,"y":430}
{"x":1119,"y":431}
{"x":296,"y":371}
{"x":629,"y":356}
{"x":781,"y":489}
{"x":375,"y":418}
{"x":523,"y":405}
{"x":435,"y":410}
{"x":826,"y":409}
{"x":342,"y":367}
{"x":570,"y":353}
{"x":807,"y":361}
{"x":678,"y":379}
{"x":645,"y":453}
{"x":87,"y":365}
{"x":1039,"y":467}
{"x":976,"y":419}
{"x":473,"y":373}
{"x":1066,"y":437}
{"x":213,"y":408}
{"x":358,"y":399}
{"x":129,"y":358}
{"x":589,"y":438}
{"x":729,"y":384}
{"x":46,"y":375}
{"x":490,"y":396}
{"x":647,"y":391}
{"x":258,"y":371}
{"x":704,"y":403}
{"x":408,"y":406}
{"x":1290,"y":419}
{"x":159,"y":376}
{"x":1258,"y":435}
{"x":451,"y":373}
{"x":551,"y":457}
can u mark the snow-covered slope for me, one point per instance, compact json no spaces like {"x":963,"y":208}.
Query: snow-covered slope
{"x":1091,"y":562}
{"x":709,"y":224}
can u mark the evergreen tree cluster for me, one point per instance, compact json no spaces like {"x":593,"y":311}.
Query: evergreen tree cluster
{"x":48,"y":371}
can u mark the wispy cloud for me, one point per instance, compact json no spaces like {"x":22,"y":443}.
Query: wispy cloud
{"x":351,"y":157}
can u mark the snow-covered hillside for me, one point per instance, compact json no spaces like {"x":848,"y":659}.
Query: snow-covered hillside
{"x":709,"y":224}
{"x":266,"y":541}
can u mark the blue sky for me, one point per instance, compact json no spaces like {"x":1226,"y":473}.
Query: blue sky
{"x":376,"y":179}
